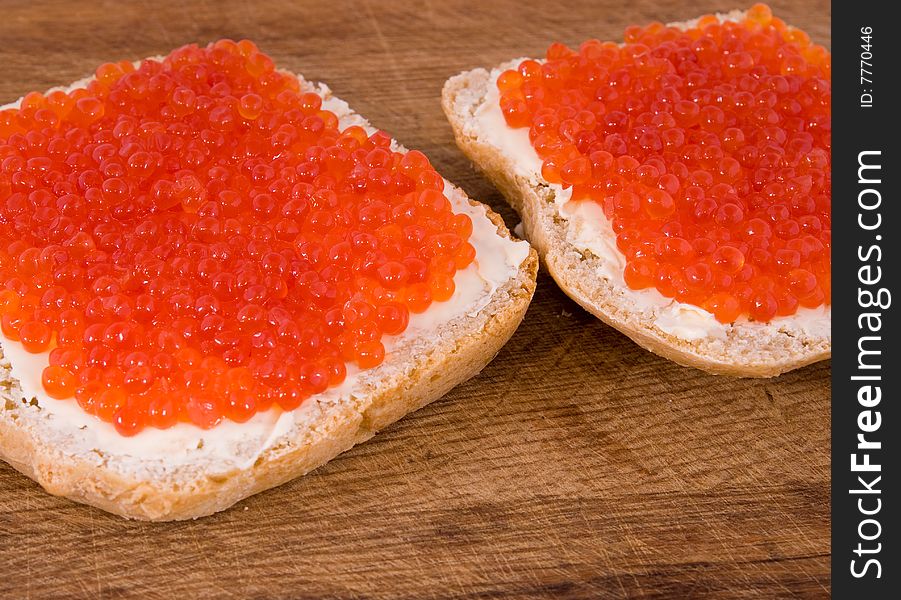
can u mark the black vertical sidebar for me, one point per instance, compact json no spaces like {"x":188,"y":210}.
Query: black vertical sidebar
{"x":866,"y":363}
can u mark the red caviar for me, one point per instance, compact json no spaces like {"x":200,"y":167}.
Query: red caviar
{"x":709,"y":150}
{"x":196,"y":239}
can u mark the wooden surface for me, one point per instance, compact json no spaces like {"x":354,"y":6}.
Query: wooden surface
{"x":575,"y":465}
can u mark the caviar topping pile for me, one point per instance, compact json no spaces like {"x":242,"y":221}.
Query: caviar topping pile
{"x":194,"y":239}
{"x":709,"y":150}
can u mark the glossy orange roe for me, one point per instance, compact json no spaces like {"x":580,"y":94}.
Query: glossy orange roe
{"x":708,"y":149}
{"x":194,"y":239}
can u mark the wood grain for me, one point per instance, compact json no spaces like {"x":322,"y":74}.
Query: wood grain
{"x":576,"y":465}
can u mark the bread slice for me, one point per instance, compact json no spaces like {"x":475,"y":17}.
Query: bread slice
{"x":588,"y":271}
{"x":66,"y":455}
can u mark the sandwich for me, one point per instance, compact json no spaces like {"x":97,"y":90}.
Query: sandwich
{"x":676,"y":185}
{"x":217,"y":277}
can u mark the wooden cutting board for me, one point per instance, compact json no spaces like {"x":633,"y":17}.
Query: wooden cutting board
{"x":575,"y":465}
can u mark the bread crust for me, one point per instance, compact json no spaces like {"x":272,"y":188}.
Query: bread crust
{"x":415,"y":377}
{"x":761,"y":351}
